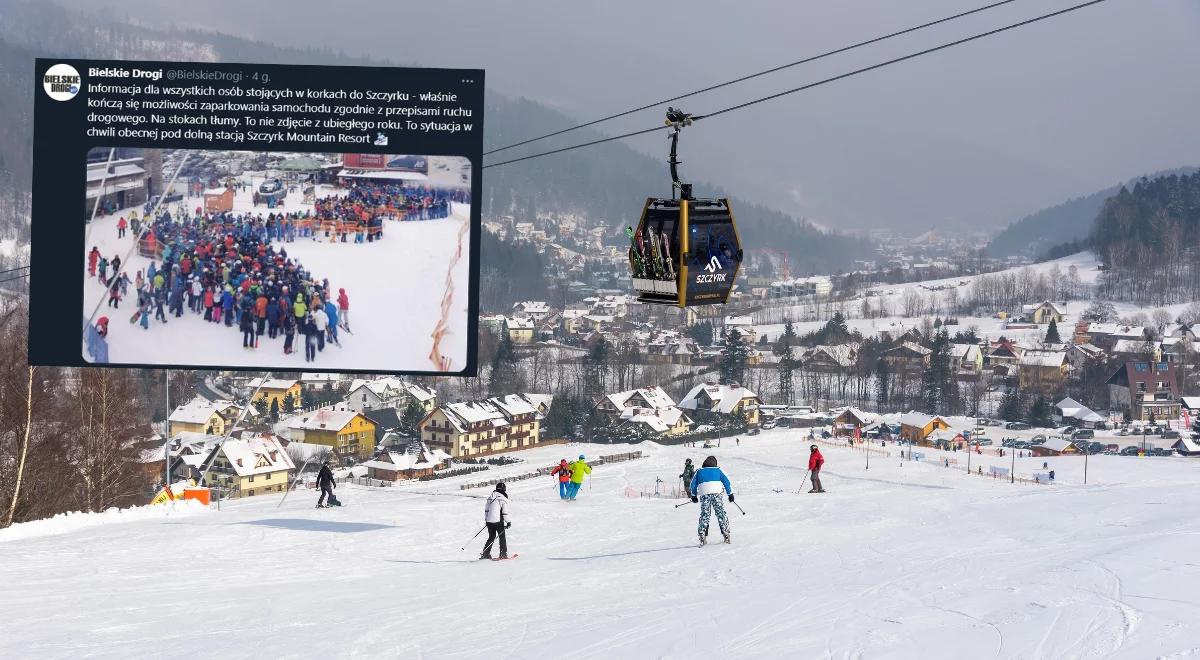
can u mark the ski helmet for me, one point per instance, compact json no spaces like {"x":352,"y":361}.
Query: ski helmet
{"x":581,"y":457}
{"x":812,"y":448}
{"x":501,"y":488}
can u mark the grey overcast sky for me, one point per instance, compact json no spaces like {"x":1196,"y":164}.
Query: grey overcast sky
{"x":969,"y":138}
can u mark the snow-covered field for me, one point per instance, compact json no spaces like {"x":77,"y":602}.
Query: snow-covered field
{"x":395,"y":287}
{"x":904,"y":560}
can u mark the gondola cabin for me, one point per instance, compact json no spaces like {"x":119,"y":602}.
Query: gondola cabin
{"x":685,"y":252}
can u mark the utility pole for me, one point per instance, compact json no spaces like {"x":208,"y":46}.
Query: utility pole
{"x":1012,"y":472}
{"x":167,"y":433}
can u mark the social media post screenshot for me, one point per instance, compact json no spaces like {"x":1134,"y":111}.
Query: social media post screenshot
{"x":256,"y":217}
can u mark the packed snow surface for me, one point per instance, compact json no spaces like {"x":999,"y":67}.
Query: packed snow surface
{"x":901,"y":560}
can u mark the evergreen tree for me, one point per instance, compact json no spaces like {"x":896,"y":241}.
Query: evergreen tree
{"x":505,"y":376}
{"x":939,"y":382}
{"x":787,"y":365}
{"x":700,"y":332}
{"x":734,"y":356}
{"x":1052,"y":333}
{"x":1012,"y":408}
{"x":410,"y":418}
{"x":274,"y":410}
{"x":1041,"y":414}
{"x":881,"y":382}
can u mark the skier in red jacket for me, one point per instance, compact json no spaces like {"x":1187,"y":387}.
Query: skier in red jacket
{"x":564,"y":477}
{"x":815,"y":461}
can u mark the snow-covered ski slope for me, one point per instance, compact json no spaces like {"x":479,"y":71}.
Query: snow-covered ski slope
{"x":395,"y":287}
{"x":912,"y":561}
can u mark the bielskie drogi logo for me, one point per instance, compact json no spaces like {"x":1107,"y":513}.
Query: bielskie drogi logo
{"x":61,"y":82}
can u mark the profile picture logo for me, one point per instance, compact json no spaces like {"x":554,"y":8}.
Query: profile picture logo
{"x":61,"y":82}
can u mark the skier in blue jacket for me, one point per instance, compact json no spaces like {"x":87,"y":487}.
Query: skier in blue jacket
{"x":706,"y":488}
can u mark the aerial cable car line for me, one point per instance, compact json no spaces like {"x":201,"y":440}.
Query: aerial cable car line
{"x":755,"y":75}
{"x":13,"y":269}
{"x":13,"y":279}
{"x":802,"y":88}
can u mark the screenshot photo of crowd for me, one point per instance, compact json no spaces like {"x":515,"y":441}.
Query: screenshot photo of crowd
{"x":259,"y":259}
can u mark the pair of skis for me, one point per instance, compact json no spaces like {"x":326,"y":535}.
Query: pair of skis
{"x":651,"y":255}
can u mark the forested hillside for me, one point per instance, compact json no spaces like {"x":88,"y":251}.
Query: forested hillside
{"x":1038,"y":233}
{"x":1149,"y":238}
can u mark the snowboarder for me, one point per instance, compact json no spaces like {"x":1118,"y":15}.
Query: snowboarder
{"x":121,"y":227}
{"x":93,"y":259}
{"x":706,"y":487}
{"x":563,"y":470}
{"x":579,"y":469}
{"x":815,"y":461}
{"x":495,"y":517}
{"x":689,"y":470}
{"x":326,"y":483}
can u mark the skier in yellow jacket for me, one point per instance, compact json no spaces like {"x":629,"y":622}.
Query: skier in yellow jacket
{"x":579,"y":470}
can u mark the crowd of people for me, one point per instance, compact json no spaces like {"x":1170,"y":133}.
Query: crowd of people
{"x":233,"y":269}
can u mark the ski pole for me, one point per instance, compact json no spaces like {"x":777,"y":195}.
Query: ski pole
{"x":684,"y":504}
{"x":473,"y":537}
{"x":802,"y":482}
{"x":739,"y":506}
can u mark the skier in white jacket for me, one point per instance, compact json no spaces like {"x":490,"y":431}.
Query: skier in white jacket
{"x":495,"y":515}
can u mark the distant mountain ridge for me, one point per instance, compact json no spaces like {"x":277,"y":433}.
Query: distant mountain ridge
{"x":1068,"y":222}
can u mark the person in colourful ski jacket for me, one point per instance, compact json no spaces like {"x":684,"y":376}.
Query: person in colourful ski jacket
{"x":815,"y":461}
{"x":563,"y":470}
{"x":579,"y":470}
{"x":706,"y":488}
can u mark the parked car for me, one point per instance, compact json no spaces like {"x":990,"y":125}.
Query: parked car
{"x":754,"y":431}
{"x":1083,"y":434}
{"x":1038,"y":440}
{"x":1095,"y":447}
{"x":1017,"y":426}
{"x":1021,"y":444}
{"x":1114,"y":448}
{"x":1163,"y":451}
{"x":983,"y":442}
{"x":1129,"y":451}
{"x":1169,"y":435}
{"x":1123,"y":432}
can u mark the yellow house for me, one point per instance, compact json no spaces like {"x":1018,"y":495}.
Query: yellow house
{"x":916,"y":427}
{"x":200,"y":416}
{"x":1044,"y":312}
{"x":346,"y":431}
{"x":520,"y":331}
{"x":731,"y":399}
{"x":664,"y":421}
{"x":252,"y":467}
{"x":273,"y":389}
{"x":1043,"y":371}
{"x":470,"y":428}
